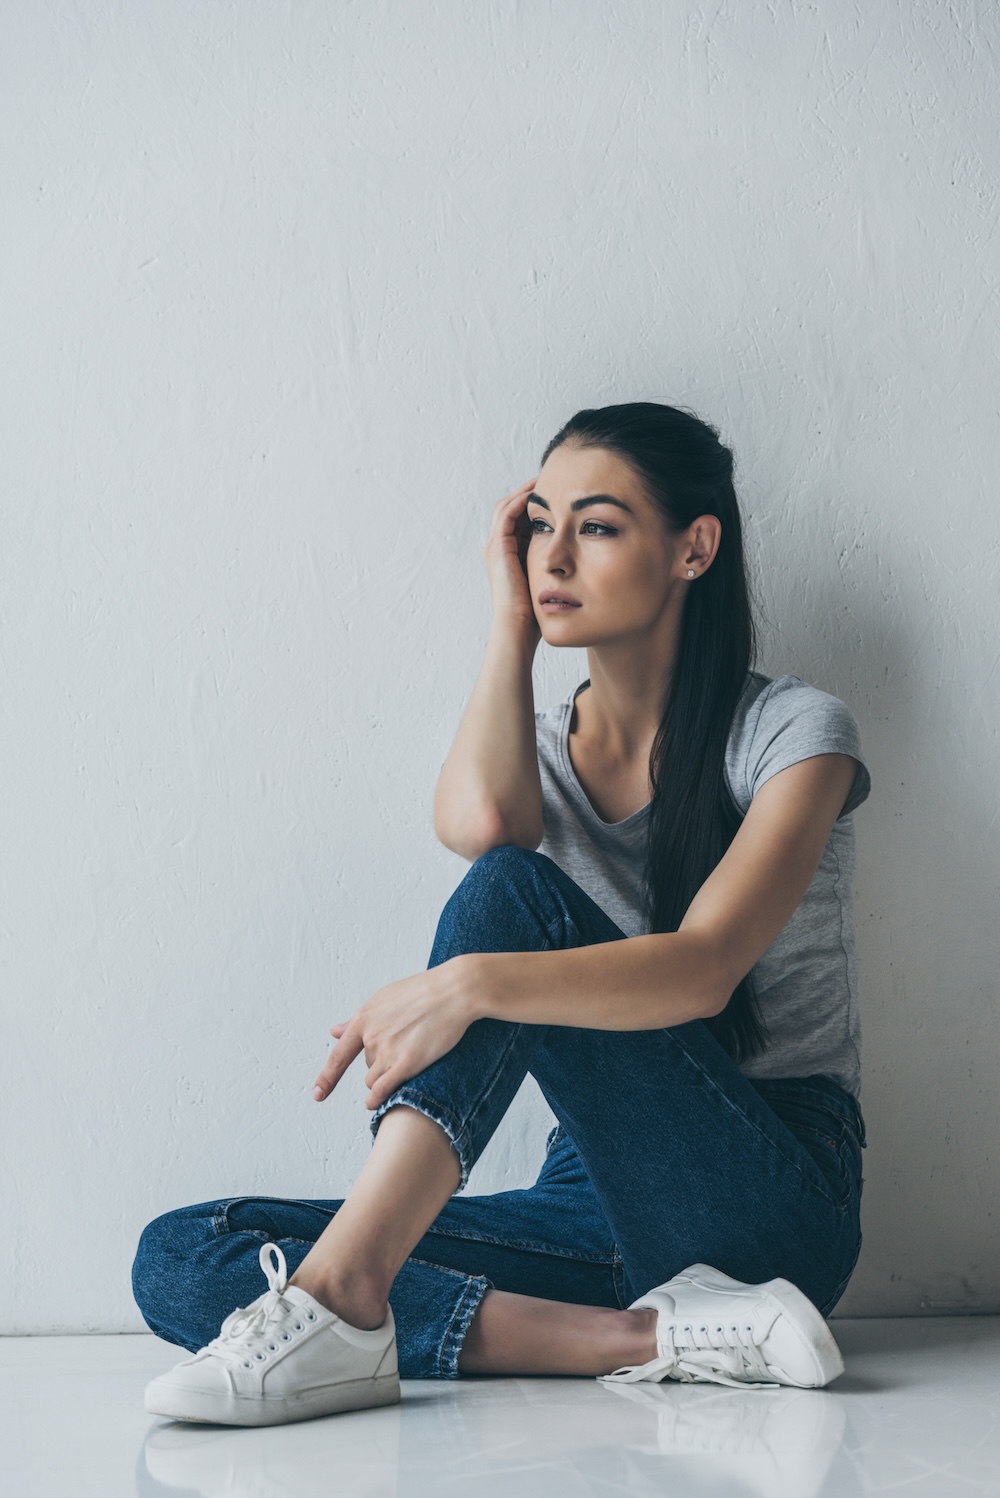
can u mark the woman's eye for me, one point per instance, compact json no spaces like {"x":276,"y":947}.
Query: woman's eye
{"x":608,"y":529}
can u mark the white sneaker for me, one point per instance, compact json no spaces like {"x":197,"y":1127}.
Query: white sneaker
{"x":283,"y":1357}
{"x":713,"y":1329}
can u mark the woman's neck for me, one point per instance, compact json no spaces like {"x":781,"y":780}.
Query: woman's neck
{"x":620,"y":716}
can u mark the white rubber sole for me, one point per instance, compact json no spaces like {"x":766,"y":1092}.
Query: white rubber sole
{"x":236,"y":1409}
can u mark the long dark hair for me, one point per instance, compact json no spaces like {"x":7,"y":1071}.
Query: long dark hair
{"x":686,"y":471}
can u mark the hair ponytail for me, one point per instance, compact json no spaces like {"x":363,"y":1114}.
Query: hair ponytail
{"x":687,"y":471}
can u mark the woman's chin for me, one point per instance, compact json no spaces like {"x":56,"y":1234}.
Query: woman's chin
{"x":556,"y":633}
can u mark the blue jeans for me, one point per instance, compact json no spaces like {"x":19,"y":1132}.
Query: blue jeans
{"x":664,"y":1155}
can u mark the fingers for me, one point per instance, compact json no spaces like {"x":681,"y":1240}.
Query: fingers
{"x":518,"y":499}
{"x":347,"y":1048}
{"x":509,"y":515}
{"x":382,"y":1083}
{"x":384,"y":1087}
{"x":517,"y":495}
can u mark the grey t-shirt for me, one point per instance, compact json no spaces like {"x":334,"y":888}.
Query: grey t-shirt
{"x":807,"y":980}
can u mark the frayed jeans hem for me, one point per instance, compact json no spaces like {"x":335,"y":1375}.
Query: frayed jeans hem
{"x":457,"y":1134}
{"x":451,"y":1344}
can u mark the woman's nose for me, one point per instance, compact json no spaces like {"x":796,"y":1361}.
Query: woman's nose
{"x":558,"y":554}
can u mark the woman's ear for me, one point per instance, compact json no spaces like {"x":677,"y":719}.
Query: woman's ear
{"x":702,"y":540}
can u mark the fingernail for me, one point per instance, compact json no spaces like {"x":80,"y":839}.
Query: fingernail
{"x":318,"y":1093}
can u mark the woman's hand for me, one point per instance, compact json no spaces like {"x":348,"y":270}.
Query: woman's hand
{"x":405,"y":1026}
{"x":506,"y":554}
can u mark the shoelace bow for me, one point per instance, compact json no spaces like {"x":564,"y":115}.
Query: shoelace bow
{"x":735,"y":1360}
{"x":246,"y":1328}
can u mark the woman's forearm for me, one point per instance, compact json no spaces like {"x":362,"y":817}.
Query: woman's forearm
{"x":642,"y":983}
{"x":489,"y":789}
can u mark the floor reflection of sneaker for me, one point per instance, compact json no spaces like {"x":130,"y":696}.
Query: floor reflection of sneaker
{"x":359,"y":1457}
{"x":283,"y":1357}
{"x":714,"y":1329}
{"x":780,"y":1444}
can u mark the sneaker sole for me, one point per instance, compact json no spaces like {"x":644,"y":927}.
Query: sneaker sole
{"x":240,"y":1409}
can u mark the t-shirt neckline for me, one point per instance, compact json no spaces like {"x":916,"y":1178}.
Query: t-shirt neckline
{"x":572,"y":777}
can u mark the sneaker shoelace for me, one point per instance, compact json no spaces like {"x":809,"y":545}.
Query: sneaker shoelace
{"x":249,"y":1333}
{"x":723,"y":1355}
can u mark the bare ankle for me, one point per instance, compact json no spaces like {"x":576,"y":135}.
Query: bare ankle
{"x":643,"y":1322}
{"x":359,"y":1302}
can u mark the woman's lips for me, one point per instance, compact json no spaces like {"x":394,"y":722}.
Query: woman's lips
{"x":557,"y":606}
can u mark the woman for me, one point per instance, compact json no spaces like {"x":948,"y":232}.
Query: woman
{"x":657,"y":925}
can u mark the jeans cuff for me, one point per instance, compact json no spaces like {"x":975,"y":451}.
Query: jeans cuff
{"x":451,"y":1344}
{"x":457,"y":1133}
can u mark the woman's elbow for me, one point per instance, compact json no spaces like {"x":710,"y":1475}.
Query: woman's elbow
{"x":719,"y":982}
{"x":486,"y":833}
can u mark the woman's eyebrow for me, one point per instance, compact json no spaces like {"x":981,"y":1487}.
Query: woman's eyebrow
{"x":579,"y":504}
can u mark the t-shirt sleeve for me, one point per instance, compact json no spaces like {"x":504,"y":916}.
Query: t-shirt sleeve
{"x":796,"y":721}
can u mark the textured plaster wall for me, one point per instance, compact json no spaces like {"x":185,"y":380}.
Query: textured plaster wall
{"x":291,"y":295}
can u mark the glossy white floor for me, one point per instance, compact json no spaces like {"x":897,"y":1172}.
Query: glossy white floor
{"x":917,"y":1412}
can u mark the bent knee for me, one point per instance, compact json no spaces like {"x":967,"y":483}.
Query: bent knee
{"x":162,"y":1263}
{"x":505,"y":855}
{"x":511,"y":862}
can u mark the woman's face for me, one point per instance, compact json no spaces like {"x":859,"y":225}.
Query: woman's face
{"x":620,"y":565}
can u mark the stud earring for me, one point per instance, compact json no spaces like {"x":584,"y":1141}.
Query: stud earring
{"x":690,"y":572}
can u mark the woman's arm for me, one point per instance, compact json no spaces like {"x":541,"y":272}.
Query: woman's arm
{"x":489,"y":791}
{"x":648,"y":982}
{"x":643,"y":983}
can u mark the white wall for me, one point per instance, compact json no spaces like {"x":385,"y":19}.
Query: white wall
{"x":292,"y":294}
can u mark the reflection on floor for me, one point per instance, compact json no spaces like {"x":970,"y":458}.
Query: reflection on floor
{"x":918,"y":1411}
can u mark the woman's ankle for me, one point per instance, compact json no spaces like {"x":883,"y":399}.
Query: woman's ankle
{"x":358,"y":1301}
{"x":516,"y":1334}
{"x":641,"y":1326}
